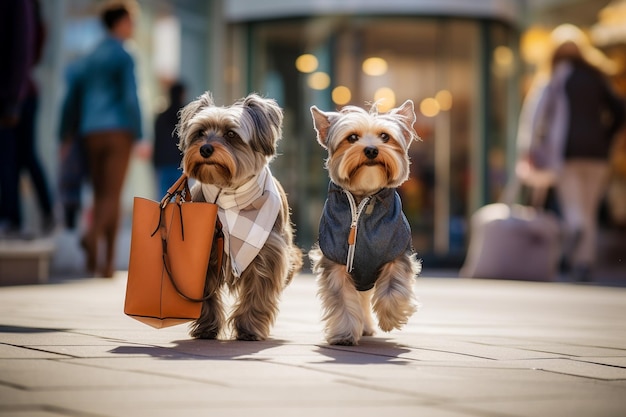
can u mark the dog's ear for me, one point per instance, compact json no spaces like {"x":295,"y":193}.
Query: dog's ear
{"x":406,"y":114}
{"x":266,"y":117}
{"x":186,"y":114}
{"x":321,"y":123}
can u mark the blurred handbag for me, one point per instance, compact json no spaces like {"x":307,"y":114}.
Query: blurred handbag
{"x":513,"y":241}
{"x":170,"y":250}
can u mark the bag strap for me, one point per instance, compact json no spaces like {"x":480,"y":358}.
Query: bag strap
{"x":219,"y":241}
{"x":179,"y":191}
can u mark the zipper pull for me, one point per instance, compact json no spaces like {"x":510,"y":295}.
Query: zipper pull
{"x":356,"y":212}
{"x":352,"y":235}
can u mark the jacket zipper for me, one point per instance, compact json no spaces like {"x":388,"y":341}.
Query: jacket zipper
{"x":356,"y":214}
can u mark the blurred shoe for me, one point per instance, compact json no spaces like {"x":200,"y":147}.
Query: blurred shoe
{"x":571,"y":244}
{"x":581,"y":273}
{"x":108,"y":272}
{"x":70,"y":216}
{"x":48,"y":225}
{"x":11,"y":232}
{"x":90,"y":254}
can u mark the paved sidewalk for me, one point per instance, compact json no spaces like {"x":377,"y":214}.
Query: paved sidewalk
{"x":476,"y":348}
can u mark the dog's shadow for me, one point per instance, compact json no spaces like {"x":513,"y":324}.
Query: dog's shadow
{"x":199,"y":349}
{"x":370,"y":350}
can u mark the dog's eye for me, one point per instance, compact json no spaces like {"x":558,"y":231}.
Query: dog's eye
{"x":353,"y":138}
{"x":231,"y":135}
{"x":384,"y":137}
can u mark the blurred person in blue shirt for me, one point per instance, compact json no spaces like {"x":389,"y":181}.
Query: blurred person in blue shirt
{"x":104,"y":96}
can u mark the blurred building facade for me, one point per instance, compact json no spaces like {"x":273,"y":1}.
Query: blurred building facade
{"x":459,"y":61}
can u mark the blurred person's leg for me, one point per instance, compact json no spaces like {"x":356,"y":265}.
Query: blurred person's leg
{"x":570,"y":194}
{"x":96,"y":150}
{"x":580,"y":189}
{"x":73,"y":172}
{"x":10,"y":215}
{"x":594,"y":178}
{"x":28,"y":160}
{"x":117,"y":167}
{"x":109,"y":155}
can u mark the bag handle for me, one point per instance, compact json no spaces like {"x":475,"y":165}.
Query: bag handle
{"x":513,"y":189}
{"x":180,"y":192}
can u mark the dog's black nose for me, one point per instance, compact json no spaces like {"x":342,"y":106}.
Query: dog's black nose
{"x":206,"y":150}
{"x":371,"y":152}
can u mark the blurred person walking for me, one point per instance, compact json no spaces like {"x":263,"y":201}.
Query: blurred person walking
{"x":27,"y":158}
{"x":110,"y":124}
{"x":73,"y":167}
{"x":21,"y":42}
{"x":166,"y":156}
{"x":567,"y":127}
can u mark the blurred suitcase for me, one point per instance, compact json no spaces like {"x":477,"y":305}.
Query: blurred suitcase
{"x":511,"y":241}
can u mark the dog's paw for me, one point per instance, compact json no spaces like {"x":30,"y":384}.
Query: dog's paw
{"x":249,"y":337}
{"x":343,"y":341}
{"x":211,"y":335}
{"x":387,"y":326}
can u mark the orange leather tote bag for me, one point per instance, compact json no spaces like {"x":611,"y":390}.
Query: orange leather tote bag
{"x":170,"y":248}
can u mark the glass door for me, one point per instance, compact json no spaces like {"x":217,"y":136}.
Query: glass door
{"x":440,"y":64}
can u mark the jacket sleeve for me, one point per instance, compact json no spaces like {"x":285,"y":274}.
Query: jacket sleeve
{"x":131,"y":99}
{"x":529,"y":117}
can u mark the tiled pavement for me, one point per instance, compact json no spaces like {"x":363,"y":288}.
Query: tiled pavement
{"x":476,"y":348}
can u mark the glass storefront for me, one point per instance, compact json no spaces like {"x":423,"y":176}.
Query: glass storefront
{"x":458,"y":72}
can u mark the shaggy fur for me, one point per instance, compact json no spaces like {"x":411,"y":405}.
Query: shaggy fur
{"x":226,"y":146}
{"x":367,"y":152}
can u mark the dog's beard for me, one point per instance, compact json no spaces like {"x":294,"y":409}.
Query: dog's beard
{"x":352,"y":170}
{"x":218,"y":169}
{"x":226,"y":167}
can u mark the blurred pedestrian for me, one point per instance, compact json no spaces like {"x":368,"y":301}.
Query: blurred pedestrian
{"x":166,"y":155}
{"x":110,"y":124}
{"x":73,"y":168}
{"x":21,"y":42}
{"x":27,"y":158}
{"x":567,"y":128}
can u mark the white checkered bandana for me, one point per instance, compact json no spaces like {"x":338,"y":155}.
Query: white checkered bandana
{"x":248,"y":214}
